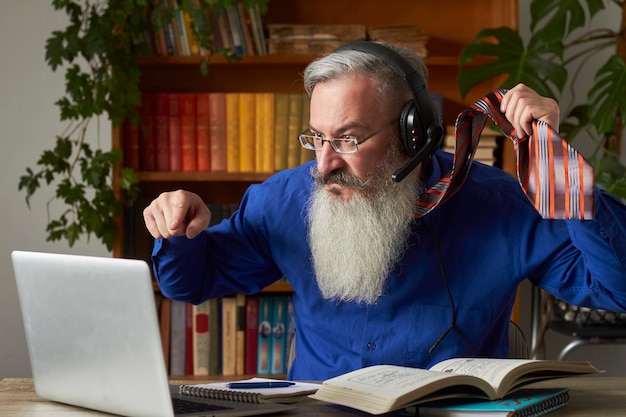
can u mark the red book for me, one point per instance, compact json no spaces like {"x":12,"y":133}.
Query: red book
{"x":161,"y":131}
{"x":175,"y":153}
{"x":252,"y":340}
{"x":187,"y":109}
{"x":203,"y":134}
{"x":217,"y":126}
{"x":189,"y":339}
{"x":147,"y":144}
{"x":130,"y":144}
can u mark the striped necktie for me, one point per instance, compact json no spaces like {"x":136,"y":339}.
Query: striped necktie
{"x":558,"y":181}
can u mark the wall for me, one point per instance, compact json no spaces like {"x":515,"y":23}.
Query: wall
{"x":28,"y":125}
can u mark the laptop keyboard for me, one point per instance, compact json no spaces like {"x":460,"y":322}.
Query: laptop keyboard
{"x":183,"y":406}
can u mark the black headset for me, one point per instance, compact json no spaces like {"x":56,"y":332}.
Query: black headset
{"x":421,"y":127}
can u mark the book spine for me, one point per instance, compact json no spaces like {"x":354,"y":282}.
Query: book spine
{"x":175,"y":151}
{"x":165,"y":316}
{"x":177,"y":338}
{"x":294,"y":125}
{"x":233,"y":159}
{"x":203,"y":133}
{"x":252,"y":343}
{"x":229,"y":337}
{"x":264,"y":335}
{"x":189,"y":339}
{"x":279,"y":335}
{"x":147,"y":145}
{"x":247,"y":132}
{"x":161,"y":131}
{"x":215,"y":337}
{"x":201,"y":339}
{"x":130,"y":144}
{"x":281,"y":131}
{"x":217,"y":125}
{"x":240,"y":321}
{"x":187,"y":102}
{"x":264,"y":132}
{"x":306,"y":155}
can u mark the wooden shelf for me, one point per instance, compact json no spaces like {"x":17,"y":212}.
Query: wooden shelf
{"x":166,"y":176}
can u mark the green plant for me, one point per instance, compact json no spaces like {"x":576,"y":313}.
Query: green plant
{"x":98,"y":52}
{"x":561,"y":43}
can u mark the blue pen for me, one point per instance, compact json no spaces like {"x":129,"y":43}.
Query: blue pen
{"x":272,"y":384}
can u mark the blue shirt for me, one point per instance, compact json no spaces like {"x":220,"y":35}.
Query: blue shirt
{"x":490,"y":239}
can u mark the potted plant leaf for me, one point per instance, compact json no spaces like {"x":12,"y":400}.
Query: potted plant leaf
{"x":98,"y":51}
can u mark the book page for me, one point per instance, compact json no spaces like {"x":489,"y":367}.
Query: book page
{"x":507,"y":374}
{"x":392,"y":382}
{"x":381,"y":388}
{"x":491,"y":370}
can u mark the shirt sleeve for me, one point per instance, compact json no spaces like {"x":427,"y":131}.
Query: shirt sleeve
{"x":593,"y":271}
{"x":234,"y":256}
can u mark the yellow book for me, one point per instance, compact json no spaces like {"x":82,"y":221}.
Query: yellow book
{"x":265,"y":132}
{"x":233,"y":160}
{"x":247,"y":132}
{"x":305,"y":154}
{"x":281,"y":134}
{"x":229,"y":335}
{"x":294,"y":129}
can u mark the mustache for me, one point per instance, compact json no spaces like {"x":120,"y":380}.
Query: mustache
{"x":337,"y":177}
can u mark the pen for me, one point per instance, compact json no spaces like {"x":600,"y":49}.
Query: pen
{"x":272,"y":384}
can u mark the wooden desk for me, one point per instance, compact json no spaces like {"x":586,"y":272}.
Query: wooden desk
{"x":589,"y":397}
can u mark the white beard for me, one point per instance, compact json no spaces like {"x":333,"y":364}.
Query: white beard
{"x":355,"y":244}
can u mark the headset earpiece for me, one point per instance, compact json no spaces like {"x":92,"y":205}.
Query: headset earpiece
{"x":411,"y":131}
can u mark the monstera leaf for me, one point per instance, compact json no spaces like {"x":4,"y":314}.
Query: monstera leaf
{"x":608,"y":95}
{"x":508,"y":56}
{"x":558,"y":18}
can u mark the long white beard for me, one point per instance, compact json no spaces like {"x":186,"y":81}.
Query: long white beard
{"x":355,"y":244}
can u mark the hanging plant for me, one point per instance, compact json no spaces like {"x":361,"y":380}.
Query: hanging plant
{"x":98,"y":51}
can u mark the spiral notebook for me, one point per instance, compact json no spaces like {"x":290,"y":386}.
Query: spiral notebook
{"x":220,"y":391}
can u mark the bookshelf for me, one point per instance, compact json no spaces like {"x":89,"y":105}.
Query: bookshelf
{"x":451,"y":24}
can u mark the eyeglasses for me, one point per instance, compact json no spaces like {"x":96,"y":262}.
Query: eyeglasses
{"x":345,"y":144}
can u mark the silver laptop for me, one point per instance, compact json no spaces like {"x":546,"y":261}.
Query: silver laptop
{"x":93,"y":337}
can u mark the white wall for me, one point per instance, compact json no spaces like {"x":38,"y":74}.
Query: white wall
{"x":29,"y":121}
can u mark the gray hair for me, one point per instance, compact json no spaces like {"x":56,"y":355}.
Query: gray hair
{"x":341,"y":63}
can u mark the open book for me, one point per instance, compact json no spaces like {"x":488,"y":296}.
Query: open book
{"x":381,"y":388}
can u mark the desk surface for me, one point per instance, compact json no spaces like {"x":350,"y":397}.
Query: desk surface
{"x":589,"y":396}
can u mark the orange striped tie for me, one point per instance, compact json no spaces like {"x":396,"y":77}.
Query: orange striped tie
{"x":558,"y":181}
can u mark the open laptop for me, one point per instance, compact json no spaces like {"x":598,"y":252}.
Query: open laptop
{"x":93,"y":337}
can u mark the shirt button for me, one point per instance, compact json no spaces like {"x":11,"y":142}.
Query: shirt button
{"x":371,"y":345}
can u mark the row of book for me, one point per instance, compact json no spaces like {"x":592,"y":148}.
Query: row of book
{"x":240,"y":29}
{"x":232,"y":335}
{"x":218,"y":132}
{"x":236,"y":27}
{"x":319,"y":39}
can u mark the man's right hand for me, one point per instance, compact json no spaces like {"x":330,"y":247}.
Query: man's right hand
{"x":176,"y":213}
